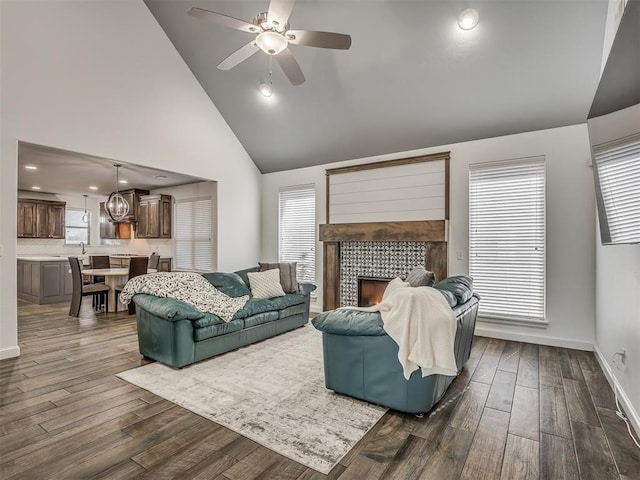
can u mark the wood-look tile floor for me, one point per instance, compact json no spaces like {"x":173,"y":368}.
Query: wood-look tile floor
{"x":517,"y":411}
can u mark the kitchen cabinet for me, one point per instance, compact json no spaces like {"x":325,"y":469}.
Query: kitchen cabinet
{"x":41,"y":219}
{"x":44,"y":280}
{"x":111,"y":230}
{"x":154,"y":216}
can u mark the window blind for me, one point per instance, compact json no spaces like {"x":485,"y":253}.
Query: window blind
{"x":618,"y":165}
{"x":193,"y":245}
{"x":507,"y":238}
{"x":297,"y":230}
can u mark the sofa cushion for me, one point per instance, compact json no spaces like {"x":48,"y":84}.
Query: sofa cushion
{"x":243,"y":273}
{"x":265,"y":284}
{"x":460,"y":286}
{"x":228,"y":283}
{"x":167,"y":308}
{"x":203,"y":333}
{"x":288,"y":278}
{"x":208,"y":320}
{"x":294,"y":310}
{"x":260,"y":305}
{"x":421,"y":277}
{"x":260,"y":318}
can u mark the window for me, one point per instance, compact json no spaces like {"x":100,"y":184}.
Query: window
{"x":297,"y":230}
{"x":76,"y":230}
{"x":618,"y":173}
{"x":507,"y":238}
{"x":193,"y":227}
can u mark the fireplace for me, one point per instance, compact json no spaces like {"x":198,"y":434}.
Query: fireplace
{"x":370,"y":290}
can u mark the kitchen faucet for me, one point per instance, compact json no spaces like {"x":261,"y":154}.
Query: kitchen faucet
{"x":83,"y":250}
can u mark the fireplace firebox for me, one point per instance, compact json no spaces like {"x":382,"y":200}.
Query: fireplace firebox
{"x":370,"y":290}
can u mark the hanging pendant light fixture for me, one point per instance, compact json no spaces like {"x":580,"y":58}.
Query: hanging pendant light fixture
{"x":117,"y":207}
{"x":85,"y":217}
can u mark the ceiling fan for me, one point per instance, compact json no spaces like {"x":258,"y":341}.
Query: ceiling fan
{"x":273,"y":37}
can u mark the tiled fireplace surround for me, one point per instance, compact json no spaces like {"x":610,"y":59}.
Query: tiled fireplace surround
{"x":380,"y":249}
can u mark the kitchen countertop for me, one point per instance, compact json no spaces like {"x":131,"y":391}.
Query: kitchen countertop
{"x":44,"y":258}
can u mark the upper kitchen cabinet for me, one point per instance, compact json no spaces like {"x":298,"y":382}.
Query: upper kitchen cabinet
{"x":40,"y":218}
{"x":110,"y":230}
{"x":154,"y":216}
{"x":132,"y":196}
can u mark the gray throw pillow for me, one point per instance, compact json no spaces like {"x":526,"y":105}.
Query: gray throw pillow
{"x":421,"y":277}
{"x":288,"y":278}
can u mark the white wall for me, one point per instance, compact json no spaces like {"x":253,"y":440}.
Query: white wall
{"x":570,"y":224}
{"x":101,"y":78}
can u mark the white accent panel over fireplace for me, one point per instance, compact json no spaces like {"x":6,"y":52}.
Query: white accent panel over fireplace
{"x":414,"y":191}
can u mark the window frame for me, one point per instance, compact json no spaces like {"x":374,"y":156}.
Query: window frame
{"x":87,"y":228}
{"x":299,"y":188}
{"x":535,"y":166}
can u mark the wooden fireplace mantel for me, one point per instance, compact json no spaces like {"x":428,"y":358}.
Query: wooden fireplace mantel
{"x":413,"y":231}
{"x":432,"y":232}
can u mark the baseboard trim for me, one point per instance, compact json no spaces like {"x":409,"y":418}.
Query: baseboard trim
{"x":9,"y":352}
{"x":486,"y":331}
{"x":623,"y":398}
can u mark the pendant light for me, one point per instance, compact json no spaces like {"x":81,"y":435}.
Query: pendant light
{"x":117,"y":207}
{"x":85,"y":217}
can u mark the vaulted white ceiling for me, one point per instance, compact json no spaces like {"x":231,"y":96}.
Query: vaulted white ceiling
{"x":412,"y":78}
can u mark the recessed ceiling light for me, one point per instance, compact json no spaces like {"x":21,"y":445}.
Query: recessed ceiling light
{"x":265,"y":90}
{"x":161,"y":176}
{"x":468,"y":19}
{"x":35,"y":188}
{"x":92,"y":187}
{"x":30,"y":167}
{"x":123,"y":181}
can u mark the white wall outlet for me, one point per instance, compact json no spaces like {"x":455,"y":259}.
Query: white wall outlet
{"x":460,"y":255}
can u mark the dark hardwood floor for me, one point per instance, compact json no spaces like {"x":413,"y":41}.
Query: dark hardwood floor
{"x":517,"y":411}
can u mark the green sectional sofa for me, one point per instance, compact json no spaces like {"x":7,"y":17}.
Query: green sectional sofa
{"x":177,"y":334}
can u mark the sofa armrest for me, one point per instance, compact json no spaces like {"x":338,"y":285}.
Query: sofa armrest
{"x":349,"y":322}
{"x":306,"y":288}
{"x":167,"y":308}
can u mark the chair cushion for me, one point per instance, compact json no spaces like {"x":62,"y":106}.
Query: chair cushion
{"x":94,"y":288}
{"x":460,"y":286}
{"x":421,"y":277}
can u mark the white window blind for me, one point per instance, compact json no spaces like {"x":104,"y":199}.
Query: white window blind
{"x":297,"y":230}
{"x":193,"y":245}
{"x":618,"y":165}
{"x":507,"y":238}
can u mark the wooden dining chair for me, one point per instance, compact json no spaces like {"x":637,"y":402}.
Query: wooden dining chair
{"x":137,"y":266}
{"x":154,"y":259}
{"x":98,"y":261}
{"x":79,"y":290}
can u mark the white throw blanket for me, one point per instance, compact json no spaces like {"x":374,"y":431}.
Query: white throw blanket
{"x":421,"y":322}
{"x":188,"y":287}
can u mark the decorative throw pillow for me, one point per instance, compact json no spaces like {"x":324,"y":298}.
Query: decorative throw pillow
{"x":265,"y":284}
{"x":288,"y":278}
{"x":421,"y":277}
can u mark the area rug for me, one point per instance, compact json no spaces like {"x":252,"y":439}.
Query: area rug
{"x":271,"y":392}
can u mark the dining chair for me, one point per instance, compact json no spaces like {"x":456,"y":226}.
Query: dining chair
{"x":98,"y":290}
{"x":154,"y":259}
{"x":137,"y":266}
{"x":99,"y":261}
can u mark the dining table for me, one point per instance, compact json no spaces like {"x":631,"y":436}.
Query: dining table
{"x":112,"y":278}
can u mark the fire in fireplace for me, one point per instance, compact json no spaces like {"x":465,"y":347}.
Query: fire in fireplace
{"x":370,"y":290}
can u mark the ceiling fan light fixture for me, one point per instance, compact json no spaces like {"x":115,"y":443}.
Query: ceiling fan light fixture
{"x":266,"y":90}
{"x":468,"y":19}
{"x":271,"y":43}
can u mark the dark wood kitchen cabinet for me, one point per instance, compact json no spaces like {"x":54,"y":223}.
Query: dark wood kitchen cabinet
{"x":41,"y":219}
{"x":132,"y":196}
{"x":111,"y":230}
{"x":154,"y":216}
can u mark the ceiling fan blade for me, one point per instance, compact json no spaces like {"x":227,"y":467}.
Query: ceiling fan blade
{"x":280,"y":11}
{"x":223,"y":20}
{"x":290,"y":67}
{"x":238,"y":56}
{"x":319,"y":39}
